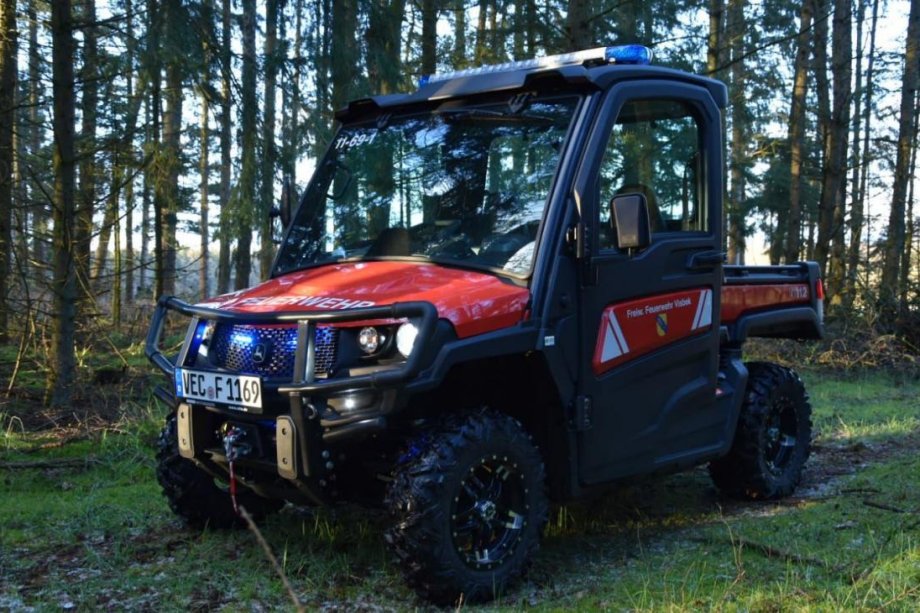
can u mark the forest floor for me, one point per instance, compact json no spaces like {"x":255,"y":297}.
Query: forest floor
{"x":83,"y":525}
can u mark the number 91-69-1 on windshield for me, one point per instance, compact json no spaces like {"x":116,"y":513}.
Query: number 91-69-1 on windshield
{"x":466,"y":186}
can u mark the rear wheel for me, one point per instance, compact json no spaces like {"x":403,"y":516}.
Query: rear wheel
{"x":773,"y":437}
{"x":194,"y":495}
{"x":468,"y":509}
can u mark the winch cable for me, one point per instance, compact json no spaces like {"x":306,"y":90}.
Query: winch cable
{"x":233,"y":448}
{"x":236,"y":507}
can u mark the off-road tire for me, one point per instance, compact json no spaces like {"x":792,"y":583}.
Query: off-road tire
{"x":194,"y":496}
{"x":469,"y":470}
{"x":773,"y":437}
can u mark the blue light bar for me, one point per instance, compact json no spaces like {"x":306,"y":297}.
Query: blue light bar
{"x":623,"y":54}
{"x":629,"y":54}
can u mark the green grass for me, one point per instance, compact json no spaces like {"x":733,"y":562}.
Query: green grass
{"x":99,"y":535}
{"x":863,"y":407}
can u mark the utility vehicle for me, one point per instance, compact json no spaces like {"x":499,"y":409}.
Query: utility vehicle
{"x":505,"y":288}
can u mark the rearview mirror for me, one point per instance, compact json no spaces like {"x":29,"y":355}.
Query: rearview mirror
{"x":630,"y":216}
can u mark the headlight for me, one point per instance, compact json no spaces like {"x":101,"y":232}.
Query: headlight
{"x":405,"y":338}
{"x":369,"y":340}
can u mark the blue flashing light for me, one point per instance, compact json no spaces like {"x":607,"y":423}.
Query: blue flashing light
{"x":239,"y":338}
{"x":622,"y":54}
{"x":629,"y":54}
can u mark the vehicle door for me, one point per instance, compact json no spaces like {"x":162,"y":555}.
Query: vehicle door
{"x":648,"y":316}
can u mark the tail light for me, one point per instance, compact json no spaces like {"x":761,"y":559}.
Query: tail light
{"x":819,"y":295}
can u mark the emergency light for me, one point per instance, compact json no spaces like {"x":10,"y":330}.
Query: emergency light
{"x":622,"y":54}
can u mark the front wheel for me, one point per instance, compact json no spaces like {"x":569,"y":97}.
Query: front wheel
{"x":772,"y":439}
{"x":468,"y":508}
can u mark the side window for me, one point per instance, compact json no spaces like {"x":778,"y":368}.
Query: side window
{"x":654,"y":149}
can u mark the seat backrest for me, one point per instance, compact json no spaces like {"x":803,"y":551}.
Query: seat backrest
{"x":391,"y":242}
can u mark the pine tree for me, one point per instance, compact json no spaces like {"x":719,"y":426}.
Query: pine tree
{"x":8,"y":77}
{"x":246,"y":191}
{"x":64,"y":286}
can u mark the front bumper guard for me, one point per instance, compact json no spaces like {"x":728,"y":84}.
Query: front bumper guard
{"x":296,"y":452}
{"x":304,"y":382}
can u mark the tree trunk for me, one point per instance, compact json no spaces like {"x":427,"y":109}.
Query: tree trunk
{"x":117,"y":274}
{"x":519,"y":28}
{"x":204,"y":169}
{"x":835,"y":171}
{"x":145,"y":197}
{"x":37,"y":200}
{"x":383,"y":47}
{"x":460,"y":35}
{"x":8,"y":75}
{"x":793,"y":231}
{"x":861,"y":168}
{"x":848,"y":291}
{"x":889,"y":290}
{"x":714,"y":39}
{"x":204,"y":187}
{"x":904,"y":298}
{"x":532,"y":20}
{"x":344,"y":74}
{"x":267,"y":198}
{"x":480,"y":52}
{"x":169,"y":174}
{"x":226,"y":145}
{"x":247,"y":182}
{"x":89,"y":105}
{"x":155,"y":168}
{"x":429,"y":36}
{"x":344,"y":52}
{"x":64,"y":281}
{"x":822,"y":88}
{"x":108,"y":220}
{"x":578,"y":25}
{"x":714,"y":55}
{"x":737,"y":199}
{"x":293,"y":137}
{"x":321,"y":121}
{"x":129,"y":259}
{"x":131,"y":162}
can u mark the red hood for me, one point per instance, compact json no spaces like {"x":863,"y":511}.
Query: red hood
{"x":473,"y":302}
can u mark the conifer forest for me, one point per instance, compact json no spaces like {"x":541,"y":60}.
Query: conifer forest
{"x":144,"y":144}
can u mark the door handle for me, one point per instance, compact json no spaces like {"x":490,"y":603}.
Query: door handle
{"x":705,"y":260}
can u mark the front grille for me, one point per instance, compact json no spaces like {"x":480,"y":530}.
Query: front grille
{"x":236,"y":347}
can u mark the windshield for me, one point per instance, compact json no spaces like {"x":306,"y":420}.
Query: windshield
{"x":464,"y":185}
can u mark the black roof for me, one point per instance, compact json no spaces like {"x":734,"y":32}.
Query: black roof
{"x":592,"y":77}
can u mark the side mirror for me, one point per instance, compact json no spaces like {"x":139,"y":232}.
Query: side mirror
{"x":630,"y":216}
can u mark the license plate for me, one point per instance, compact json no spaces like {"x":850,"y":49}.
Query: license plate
{"x":239,"y":391}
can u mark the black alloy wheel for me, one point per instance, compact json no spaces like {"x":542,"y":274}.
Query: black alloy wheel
{"x":781,"y":434}
{"x":772,"y":438}
{"x":488,"y":515}
{"x":468,"y":506}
